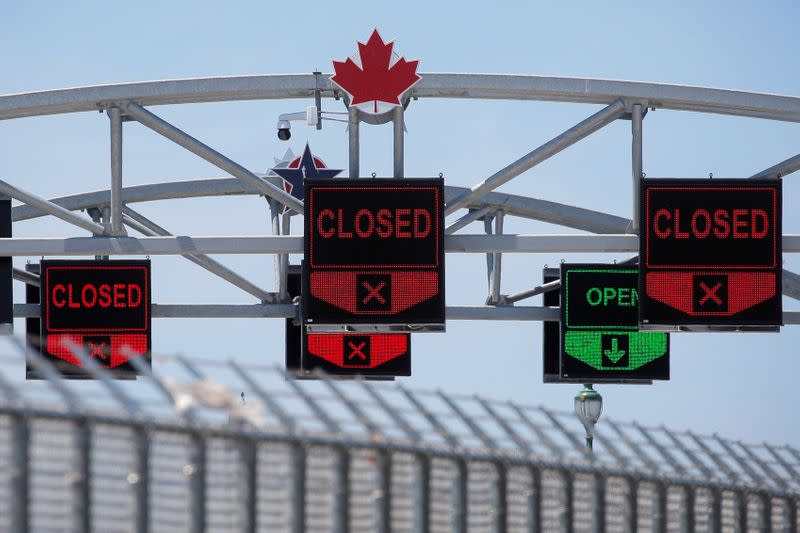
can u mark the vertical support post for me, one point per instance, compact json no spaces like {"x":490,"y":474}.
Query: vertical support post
{"x":599,"y":503}
{"x":636,"y":162}
{"x":275,"y":216}
{"x":460,"y":509}
{"x":283,"y":288}
{"x":341,"y":494}
{"x":660,"y":508}
{"x":765,"y":514}
{"x":141,"y":481}
{"x":423,"y":494}
{"x":716,"y":510}
{"x":298,"y":490}
{"x":82,"y":484}
{"x":535,"y":501}
{"x":197,"y":483}
{"x":569,"y":503}
{"x":632,"y":506}
{"x":383,"y":501}
{"x":688,"y":513}
{"x":352,"y":131}
{"x":497,"y":258}
{"x":247,"y":492}
{"x":501,"y":499}
{"x":399,"y":147}
{"x":20,"y":473}
{"x":115,"y":118}
{"x":487,"y":227}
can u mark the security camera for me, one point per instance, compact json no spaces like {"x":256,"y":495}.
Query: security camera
{"x":284,"y":133}
{"x":310,"y":116}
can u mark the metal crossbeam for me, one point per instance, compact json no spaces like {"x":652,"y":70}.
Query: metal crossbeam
{"x":186,"y":245}
{"x":724,"y":467}
{"x":569,"y":137}
{"x":637,"y":450}
{"x":312,"y":403}
{"x":576,"y":442}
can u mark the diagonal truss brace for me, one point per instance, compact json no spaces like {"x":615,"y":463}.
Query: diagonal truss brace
{"x":236,"y":170}
{"x":571,"y":136}
{"x":149,"y":228}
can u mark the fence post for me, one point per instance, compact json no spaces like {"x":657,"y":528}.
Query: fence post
{"x":715,"y":521}
{"x":384,"y":497}
{"x":569,"y":504}
{"x":248,"y":467}
{"x":298,"y":488}
{"x":765,"y":514}
{"x":82,"y":480}
{"x":341,"y":491}
{"x":140,"y":480}
{"x":196,"y":470}
{"x":500,"y":494}
{"x":688,"y":509}
{"x":660,"y":508}
{"x":632,"y":505}
{"x":535,"y":501}
{"x":20,"y":473}
{"x":460,"y":509}
{"x":423,"y":494}
{"x":599,"y":503}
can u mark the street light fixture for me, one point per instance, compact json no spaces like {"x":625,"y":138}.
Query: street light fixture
{"x":588,"y":406}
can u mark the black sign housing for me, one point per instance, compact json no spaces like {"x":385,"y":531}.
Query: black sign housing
{"x":102,"y":307}
{"x":711,"y":253}
{"x":374,"y":254}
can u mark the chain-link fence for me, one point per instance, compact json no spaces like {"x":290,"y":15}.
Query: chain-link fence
{"x":215,"y":446}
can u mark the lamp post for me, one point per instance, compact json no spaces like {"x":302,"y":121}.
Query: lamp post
{"x":588,"y":406}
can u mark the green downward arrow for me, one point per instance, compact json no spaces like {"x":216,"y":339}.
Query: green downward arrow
{"x":615,"y":354}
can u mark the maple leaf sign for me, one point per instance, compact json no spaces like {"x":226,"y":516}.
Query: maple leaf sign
{"x":377,"y":79}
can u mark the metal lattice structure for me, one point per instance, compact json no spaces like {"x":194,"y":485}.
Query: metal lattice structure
{"x":360,"y":456}
{"x":211,"y":445}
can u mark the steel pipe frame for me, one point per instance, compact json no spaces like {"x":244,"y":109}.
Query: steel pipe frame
{"x":164,"y":128}
{"x":149,"y":228}
{"x":784,"y":168}
{"x":50,"y":208}
{"x":569,"y":137}
{"x":115,"y":121}
{"x":188,"y":245}
{"x":432,"y":85}
{"x":521,"y":206}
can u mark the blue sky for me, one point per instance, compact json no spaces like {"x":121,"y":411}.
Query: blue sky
{"x":737,"y":385}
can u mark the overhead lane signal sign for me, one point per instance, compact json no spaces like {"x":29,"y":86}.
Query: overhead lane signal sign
{"x":101,"y":307}
{"x":711,"y":253}
{"x":599,"y":326}
{"x":374,"y":254}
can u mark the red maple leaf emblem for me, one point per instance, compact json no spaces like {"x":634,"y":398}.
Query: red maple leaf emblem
{"x":377,"y":79}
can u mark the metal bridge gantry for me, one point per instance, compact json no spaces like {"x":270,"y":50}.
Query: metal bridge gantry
{"x":135,"y":101}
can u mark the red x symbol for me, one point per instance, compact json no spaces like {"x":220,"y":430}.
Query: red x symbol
{"x":373,"y":292}
{"x":710,"y":293}
{"x":97,"y":350}
{"x":357,"y":351}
